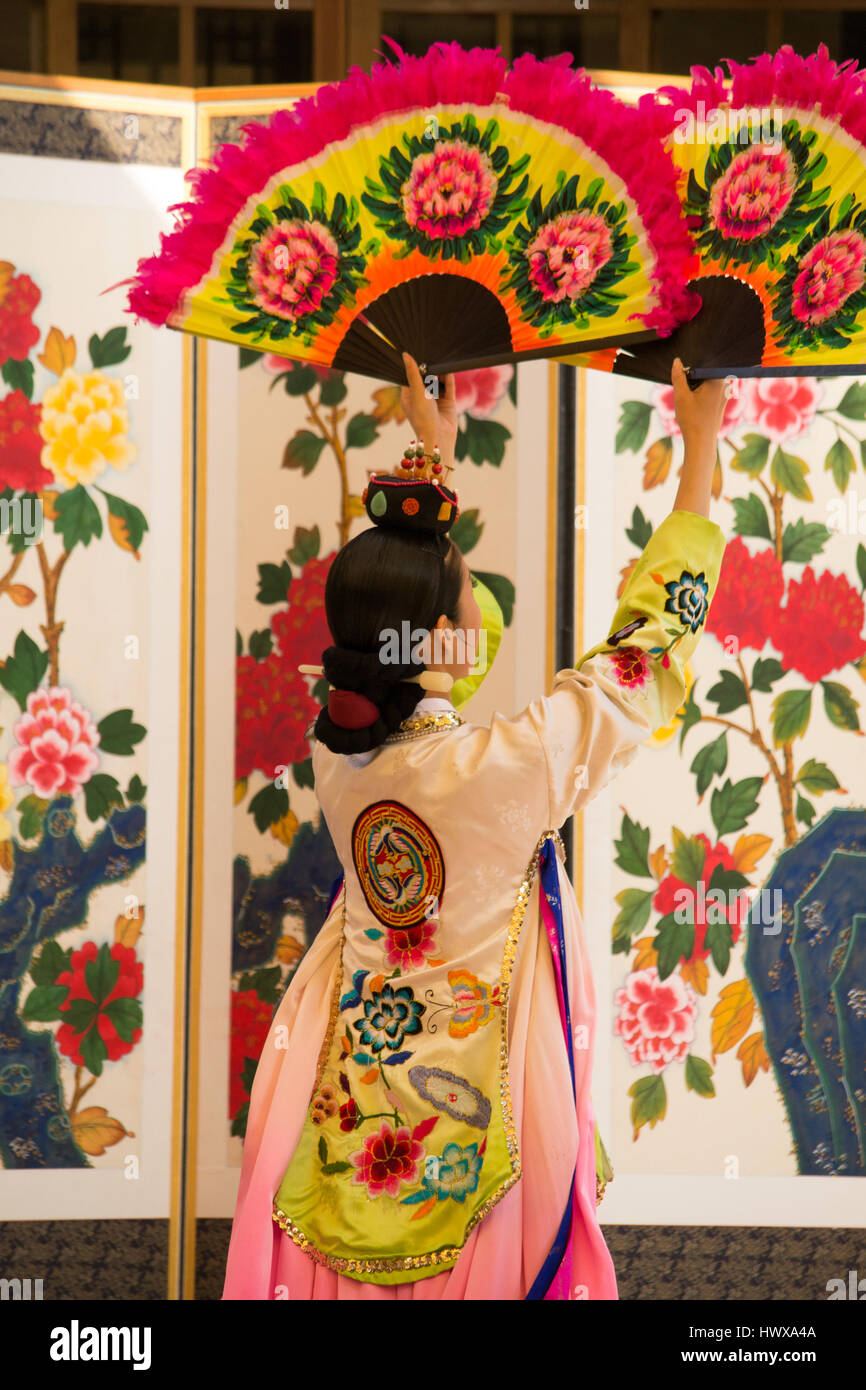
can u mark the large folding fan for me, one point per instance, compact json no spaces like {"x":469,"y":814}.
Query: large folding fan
{"x":772,"y":168}
{"x":445,"y":205}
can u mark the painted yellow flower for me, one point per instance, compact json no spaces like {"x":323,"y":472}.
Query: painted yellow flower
{"x":667,"y":731}
{"x":7,"y":797}
{"x":85,"y":424}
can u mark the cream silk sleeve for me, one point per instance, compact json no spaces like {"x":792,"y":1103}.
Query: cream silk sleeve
{"x":598,"y":714}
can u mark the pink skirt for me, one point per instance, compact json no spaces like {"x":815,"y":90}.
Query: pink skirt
{"x":506,"y":1251}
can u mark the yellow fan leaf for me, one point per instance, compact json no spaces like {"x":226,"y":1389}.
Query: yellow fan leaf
{"x":240,"y":789}
{"x":625,"y":575}
{"x":286,"y":828}
{"x":732,"y":1015}
{"x":753,"y":1056}
{"x":647,"y":955}
{"x":95,"y":1130}
{"x":658,"y":462}
{"x":388,"y":405}
{"x":120,"y":534}
{"x":128,"y":929}
{"x":355,"y":505}
{"x":48,"y":499}
{"x":695,"y":973}
{"x":21,"y":594}
{"x":59,"y":352}
{"x":658,"y":862}
{"x":748,"y":850}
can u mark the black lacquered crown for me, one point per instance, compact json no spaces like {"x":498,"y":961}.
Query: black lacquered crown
{"x":413,"y":496}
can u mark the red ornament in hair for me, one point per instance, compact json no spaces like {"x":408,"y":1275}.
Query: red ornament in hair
{"x":351,"y":710}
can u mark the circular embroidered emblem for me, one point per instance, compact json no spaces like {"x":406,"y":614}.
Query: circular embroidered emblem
{"x":399,"y":864}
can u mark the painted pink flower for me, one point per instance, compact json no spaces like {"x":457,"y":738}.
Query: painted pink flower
{"x":755,"y":190}
{"x":386,"y":1160}
{"x":663,"y":403}
{"x":566,"y":255}
{"x":56,"y":743}
{"x":450,"y":190}
{"x":277,"y":366}
{"x":408,"y":947}
{"x":656,"y":1018}
{"x":830,"y":273}
{"x":293,"y":267}
{"x":479,"y":392}
{"x":782,"y":407}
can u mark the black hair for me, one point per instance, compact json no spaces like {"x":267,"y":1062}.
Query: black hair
{"x":384,"y":577}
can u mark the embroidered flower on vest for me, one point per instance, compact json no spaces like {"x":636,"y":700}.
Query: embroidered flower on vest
{"x":386,"y":1160}
{"x":453,"y":1094}
{"x":390,"y":1015}
{"x":688,"y":599}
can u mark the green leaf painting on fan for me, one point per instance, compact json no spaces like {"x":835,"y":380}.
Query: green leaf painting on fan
{"x":756,"y":200}
{"x":450,"y":200}
{"x":568,"y":256}
{"x":295,"y":267}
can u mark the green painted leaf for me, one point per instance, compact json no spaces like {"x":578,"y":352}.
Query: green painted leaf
{"x":802,"y":540}
{"x":840,"y":705}
{"x":136,"y":790}
{"x":306,"y":546}
{"x":791,"y":713}
{"x":789,"y":473}
{"x":853,"y":403}
{"x":19,"y":375}
{"x":303,"y":773}
{"x":699,"y":1076}
{"x":750,"y":517}
{"x":484,"y":441}
{"x":502,"y":590}
{"x":274,"y":583}
{"x":816,"y":777}
{"x":640,"y":530}
{"x":361,"y":430}
{"x":298,"y":380}
{"x":118,"y":734}
{"x":634,"y":913}
{"x":732,"y":804}
{"x":268,"y":806}
{"x":77,"y":518}
{"x":633,"y":426}
{"x":133,"y":517}
{"x":840,"y":462}
{"x":126,"y":1015}
{"x":729,"y":693}
{"x":466,"y":531}
{"x":110,"y":349}
{"x":718,"y":937}
{"x":687,"y":860}
{"x":51,"y":962}
{"x":674,"y":941}
{"x":753,"y":455}
{"x":31,"y":811}
{"x":24,"y":669}
{"x":303,"y":450}
{"x":101,"y":792}
{"x":767,"y":669}
{"x":710,"y":762}
{"x":42,"y":1004}
{"x":649,"y":1102}
{"x":804,"y":810}
{"x":261,"y":643}
{"x":633,"y":848}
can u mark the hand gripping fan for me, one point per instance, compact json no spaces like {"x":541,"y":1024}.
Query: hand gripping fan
{"x":773,"y":181}
{"x":444,"y":205}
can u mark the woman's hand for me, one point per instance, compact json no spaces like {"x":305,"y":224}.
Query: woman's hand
{"x":699,"y":416}
{"x":699,"y":413}
{"x":434,"y":421}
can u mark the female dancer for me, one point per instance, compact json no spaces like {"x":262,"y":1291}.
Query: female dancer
{"x":420,"y":1124}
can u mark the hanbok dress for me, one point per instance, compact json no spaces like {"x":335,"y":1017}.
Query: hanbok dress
{"x":420,"y":1123}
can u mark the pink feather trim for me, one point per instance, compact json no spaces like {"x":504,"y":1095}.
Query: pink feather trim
{"x":628,"y":139}
{"x":815,"y":83}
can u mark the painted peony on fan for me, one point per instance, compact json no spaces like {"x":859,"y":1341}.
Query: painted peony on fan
{"x":443,"y":205}
{"x":773,"y":181}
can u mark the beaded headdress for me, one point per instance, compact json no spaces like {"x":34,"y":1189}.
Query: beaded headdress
{"x":415,"y":495}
